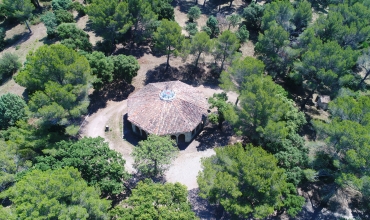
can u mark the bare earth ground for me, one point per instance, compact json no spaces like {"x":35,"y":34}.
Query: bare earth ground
{"x":28,"y":42}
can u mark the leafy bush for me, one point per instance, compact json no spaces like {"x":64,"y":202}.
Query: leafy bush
{"x":9,"y":64}
{"x":73,"y":37}
{"x":12,"y":109}
{"x":125,"y":67}
{"x":79,"y":8}
{"x":2,"y":39}
{"x":191,"y":28}
{"x":212,"y":28}
{"x":64,"y":16}
{"x":51,"y":23}
{"x":194,"y":13}
{"x":164,"y":10}
{"x":242,"y":34}
{"x":61,"y":4}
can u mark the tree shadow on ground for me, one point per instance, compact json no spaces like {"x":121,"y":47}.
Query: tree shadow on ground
{"x":212,"y":136}
{"x":185,"y":5}
{"x":203,"y":209}
{"x":187,"y":73}
{"x":115,"y":91}
{"x":17,"y":39}
{"x":133,"y":49}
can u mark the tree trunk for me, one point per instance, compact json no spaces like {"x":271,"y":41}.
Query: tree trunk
{"x":36,"y":3}
{"x":168,"y":60}
{"x":231,"y":3}
{"x":204,"y":3}
{"x":222,"y":63}
{"x":197,"y":60}
{"x":29,"y":29}
{"x":237,"y":101}
{"x":363,"y":79}
{"x":155,"y":168}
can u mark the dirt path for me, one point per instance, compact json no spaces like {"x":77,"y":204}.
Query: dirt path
{"x":111,"y":116}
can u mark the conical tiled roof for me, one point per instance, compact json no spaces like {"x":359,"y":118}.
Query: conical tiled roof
{"x":167,"y":108}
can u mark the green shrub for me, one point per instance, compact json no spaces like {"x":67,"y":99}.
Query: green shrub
{"x":64,"y":16}
{"x":51,"y":23}
{"x":194,"y":13}
{"x":79,"y":8}
{"x":242,"y":34}
{"x":73,"y":37}
{"x":12,"y":109}
{"x":9,"y":64}
{"x":125,"y":67}
{"x":61,"y":4}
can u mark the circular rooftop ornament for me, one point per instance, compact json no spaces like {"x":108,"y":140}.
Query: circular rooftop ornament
{"x":167,"y":95}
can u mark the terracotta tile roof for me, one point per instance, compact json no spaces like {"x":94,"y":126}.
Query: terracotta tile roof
{"x":182,"y":114}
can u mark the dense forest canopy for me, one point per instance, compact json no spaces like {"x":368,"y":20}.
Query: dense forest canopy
{"x":300,"y":50}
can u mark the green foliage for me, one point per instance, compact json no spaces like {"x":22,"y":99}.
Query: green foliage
{"x":302,"y":15}
{"x":19,"y":9}
{"x":233,"y":79}
{"x":143,"y":18}
{"x":326,"y":64}
{"x":163,"y":9}
{"x":364,"y":62}
{"x":200,"y":43}
{"x":348,"y":25}
{"x":2,"y":39}
{"x":79,"y":8}
{"x":9,"y":65}
{"x":281,"y":12}
{"x":271,"y":42}
{"x":12,"y":109}
{"x":125,"y":67}
{"x":194,"y":13}
{"x":225,"y":47}
{"x":53,"y":194}
{"x":365,"y":190}
{"x":60,"y":4}
{"x":156,"y":201}
{"x":242,"y":34}
{"x":191,"y":28}
{"x":351,"y":108}
{"x":11,"y":163}
{"x":29,"y":141}
{"x":268,"y":118}
{"x":102,"y":67}
{"x":349,"y":141}
{"x":64,"y":16}
{"x":246,"y":182}
{"x":73,"y":37}
{"x":253,"y":15}
{"x":212,"y":28}
{"x":154,"y":155}
{"x":168,"y":38}
{"x":219,"y":101}
{"x":51,"y":23}
{"x":111,"y":16}
{"x":233,"y":20}
{"x":57,"y":79}
{"x":98,"y":165}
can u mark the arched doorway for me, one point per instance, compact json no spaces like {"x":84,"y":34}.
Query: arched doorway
{"x":181,"y":138}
